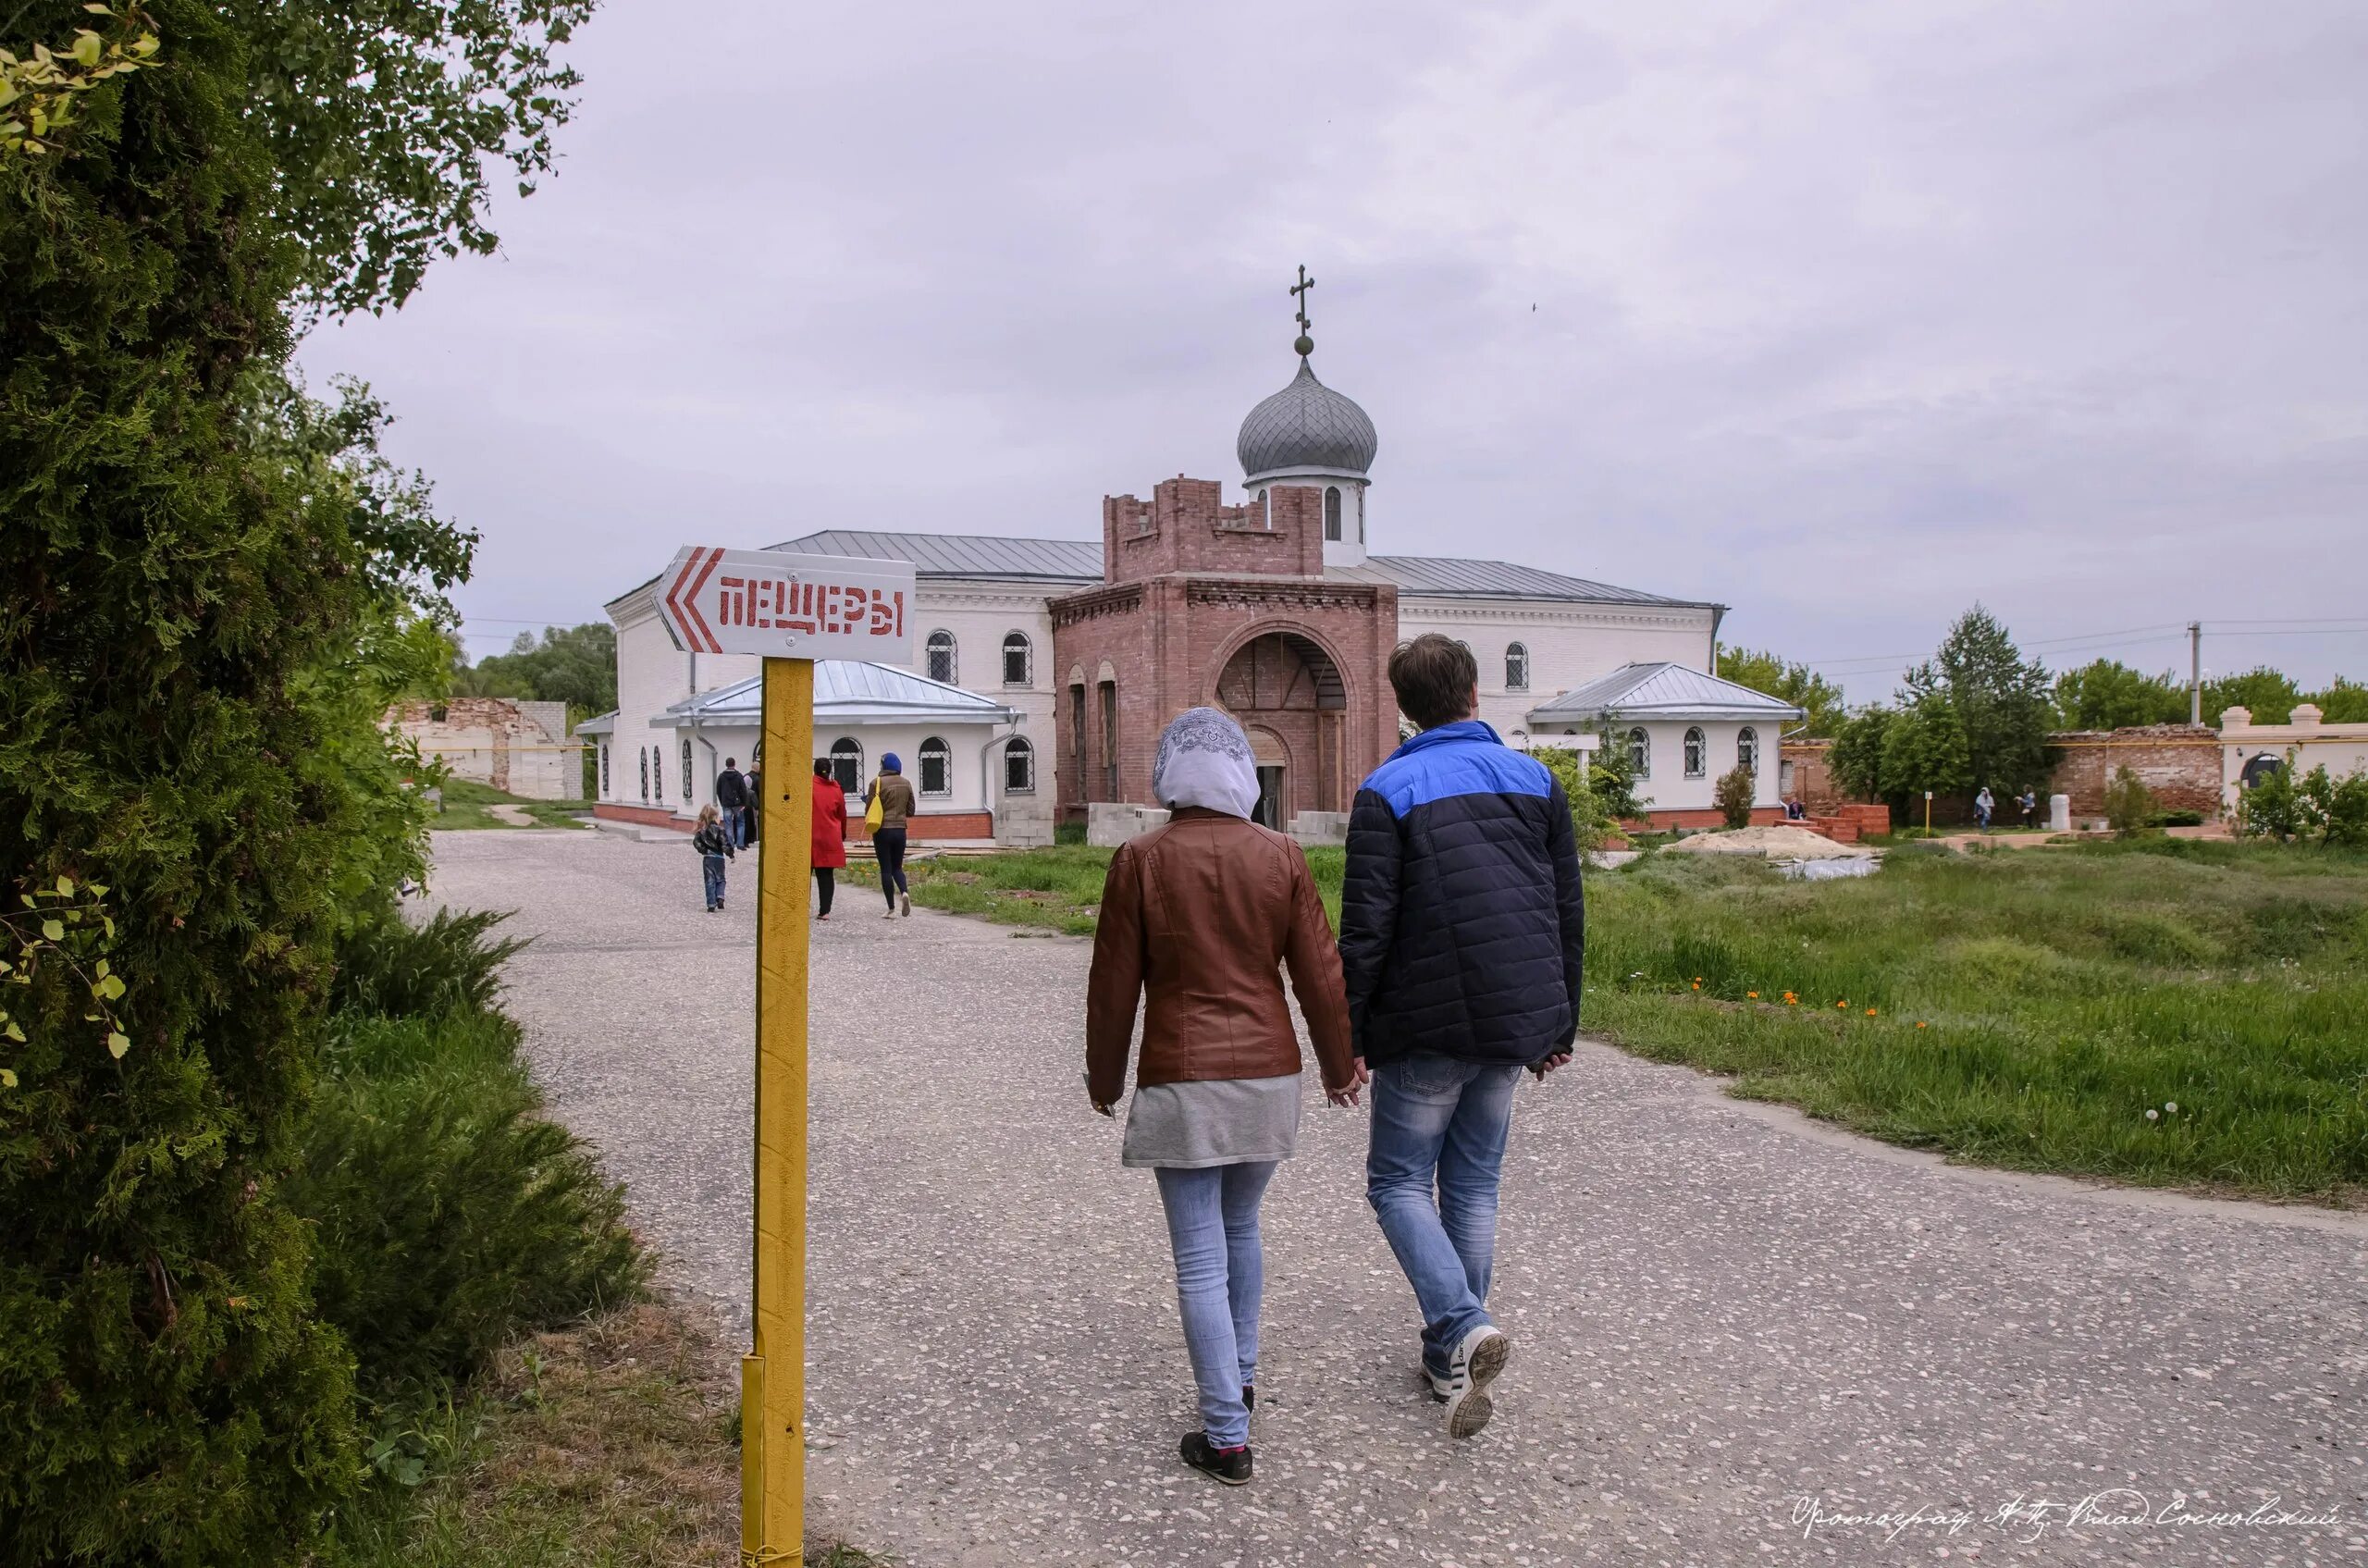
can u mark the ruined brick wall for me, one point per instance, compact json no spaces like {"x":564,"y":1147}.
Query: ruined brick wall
{"x":2180,"y":762}
{"x":1812,"y":771}
{"x":516,"y":745}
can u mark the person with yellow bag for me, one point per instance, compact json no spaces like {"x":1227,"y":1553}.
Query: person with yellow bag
{"x":887,"y":809}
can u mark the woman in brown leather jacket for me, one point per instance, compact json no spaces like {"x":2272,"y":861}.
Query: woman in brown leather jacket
{"x":1198,"y":916}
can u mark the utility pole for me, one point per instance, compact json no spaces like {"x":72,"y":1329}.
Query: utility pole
{"x":2195,"y":672}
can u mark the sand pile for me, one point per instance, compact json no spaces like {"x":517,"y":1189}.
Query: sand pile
{"x":1781,"y":843}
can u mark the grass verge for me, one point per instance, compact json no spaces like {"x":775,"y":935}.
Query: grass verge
{"x":2019,"y":1010}
{"x":604,"y":1445}
{"x":465,"y":803}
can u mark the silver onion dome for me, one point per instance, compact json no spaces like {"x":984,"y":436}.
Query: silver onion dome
{"x":1307,"y":424}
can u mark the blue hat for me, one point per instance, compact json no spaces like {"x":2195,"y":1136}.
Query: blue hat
{"x":889,"y":764}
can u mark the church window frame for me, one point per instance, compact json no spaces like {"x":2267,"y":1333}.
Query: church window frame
{"x":689,"y":787}
{"x":1077,"y":737}
{"x":1747,"y":750}
{"x":936,"y":760}
{"x":1018,"y":766}
{"x":604,"y":767}
{"x":1640,"y":752}
{"x":1516,"y":666}
{"x":645,"y":774}
{"x":658,"y":774}
{"x":1332,"y":533}
{"x":1697,"y":753}
{"x":941,"y":652}
{"x":1018,"y":660}
{"x":1109,"y":702}
{"x":846,"y":764}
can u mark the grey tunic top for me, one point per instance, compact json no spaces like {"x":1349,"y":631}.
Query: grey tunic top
{"x":1213,"y":1121}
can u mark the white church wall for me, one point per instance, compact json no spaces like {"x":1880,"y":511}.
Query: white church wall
{"x":979,"y":615}
{"x":1668,"y":788}
{"x":1569,"y":646}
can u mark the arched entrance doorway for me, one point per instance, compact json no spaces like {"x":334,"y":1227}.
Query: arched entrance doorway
{"x":1287,"y":693}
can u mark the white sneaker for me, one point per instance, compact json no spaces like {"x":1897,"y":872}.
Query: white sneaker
{"x":903,"y":903}
{"x":1472,"y":1365}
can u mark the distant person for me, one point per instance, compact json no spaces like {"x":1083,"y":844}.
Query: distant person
{"x":731,"y":796}
{"x":1983,"y":805}
{"x":714,"y":846}
{"x":1794,"y":811}
{"x":1461,"y":938}
{"x":753,"y":829}
{"x":830,"y":832}
{"x":895,"y":797}
{"x":1197,"y":917}
{"x":2028,"y":801}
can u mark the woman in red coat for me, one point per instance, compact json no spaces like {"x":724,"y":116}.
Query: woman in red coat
{"x":830,"y":829}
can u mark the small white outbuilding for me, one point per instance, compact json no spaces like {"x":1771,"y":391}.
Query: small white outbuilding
{"x":1682,"y":729}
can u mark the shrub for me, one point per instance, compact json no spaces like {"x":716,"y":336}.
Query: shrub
{"x":2130,"y":804}
{"x":2274,"y":808}
{"x":1732,"y":796}
{"x":389,"y":966}
{"x":447,"y":1216}
{"x":2340,"y":807}
{"x":2182,"y":817}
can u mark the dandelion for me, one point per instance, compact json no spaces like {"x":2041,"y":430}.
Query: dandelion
{"x":1843,"y":1003}
{"x":2153,"y":1116}
{"x":1753,"y":994}
{"x":1871,"y":1012}
{"x":1919,"y":1023}
{"x":2170,"y":1107}
{"x":1697,"y":985}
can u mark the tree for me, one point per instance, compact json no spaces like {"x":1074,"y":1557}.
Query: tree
{"x":1925,"y":748}
{"x":2345,"y":702}
{"x":2002,"y":702}
{"x":576,"y":665}
{"x":1796,"y":684}
{"x":1731,"y":795}
{"x":2109,"y":695}
{"x":215,"y":586}
{"x":2268,"y":695}
{"x":1857,"y":756}
{"x":2130,"y":804}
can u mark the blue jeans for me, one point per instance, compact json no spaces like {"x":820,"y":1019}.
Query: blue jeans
{"x":1220,"y":1273}
{"x":713,"y":866}
{"x":736,"y":825}
{"x":1441,"y":1123}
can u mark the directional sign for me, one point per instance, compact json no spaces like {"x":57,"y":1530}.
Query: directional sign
{"x":787,"y":606}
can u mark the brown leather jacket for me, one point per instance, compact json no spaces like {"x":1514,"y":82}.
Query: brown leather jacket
{"x":1198,"y":914}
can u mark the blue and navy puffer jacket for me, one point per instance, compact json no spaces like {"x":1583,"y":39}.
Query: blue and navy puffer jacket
{"x":1460,"y":920}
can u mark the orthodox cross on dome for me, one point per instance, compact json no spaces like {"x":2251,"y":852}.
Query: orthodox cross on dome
{"x":1305,"y":345}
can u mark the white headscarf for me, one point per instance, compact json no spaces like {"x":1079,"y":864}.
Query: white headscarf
{"x":1204,"y":760}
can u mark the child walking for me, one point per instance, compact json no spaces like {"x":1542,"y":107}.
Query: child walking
{"x":715,"y":847}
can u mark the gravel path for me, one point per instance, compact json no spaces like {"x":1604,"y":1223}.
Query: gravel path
{"x":1725,"y":1317}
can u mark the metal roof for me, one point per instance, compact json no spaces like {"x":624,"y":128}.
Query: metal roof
{"x":1662,"y":690}
{"x":1307,"y":424}
{"x":1446,"y":577}
{"x":600,"y":724}
{"x":849,"y":691}
{"x":962,"y":555}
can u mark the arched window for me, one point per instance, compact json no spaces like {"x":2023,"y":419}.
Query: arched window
{"x":604,"y":768}
{"x":846,"y":763}
{"x":1516,"y":667}
{"x":1747,"y":750}
{"x":1697,"y":753}
{"x":1640,"y":753}
{"x":658,"y":774}
{"x":1332,"y":511}
{"x":1018,"y":766}
{"x":1019,"y":660}
{"x":644,"y":772}
{"x":937,"y":769}
{"x":687,"y":790}
{"x":941,"y":666}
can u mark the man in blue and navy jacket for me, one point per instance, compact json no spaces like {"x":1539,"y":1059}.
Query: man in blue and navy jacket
{"x":1460,"y":927}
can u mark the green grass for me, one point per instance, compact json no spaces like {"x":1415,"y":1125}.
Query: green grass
{"x":465,"y":801}
{"x":2061,"y":994}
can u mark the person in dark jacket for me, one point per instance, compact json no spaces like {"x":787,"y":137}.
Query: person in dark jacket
{"x":732,"y":798}
{"x":714,"y":846}
{"x":1461,"y":926}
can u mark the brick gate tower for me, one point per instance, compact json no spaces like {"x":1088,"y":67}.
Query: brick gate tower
{"x":1228,"y":606}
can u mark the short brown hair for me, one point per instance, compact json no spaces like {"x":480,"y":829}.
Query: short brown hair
{"x":1433,"y":677}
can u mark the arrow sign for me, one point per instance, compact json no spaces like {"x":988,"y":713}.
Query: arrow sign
{"x":785,"y":606}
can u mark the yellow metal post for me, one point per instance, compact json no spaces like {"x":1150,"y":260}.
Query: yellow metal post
{"x":773,"y":1393}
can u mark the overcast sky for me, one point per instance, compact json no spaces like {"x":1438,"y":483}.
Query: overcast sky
{"x":1844,"y":315}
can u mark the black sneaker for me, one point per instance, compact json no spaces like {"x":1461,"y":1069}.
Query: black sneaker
{"x":1230,"y":1466}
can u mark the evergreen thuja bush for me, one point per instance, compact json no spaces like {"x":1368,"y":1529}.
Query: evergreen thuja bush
{"x":188,"y":580}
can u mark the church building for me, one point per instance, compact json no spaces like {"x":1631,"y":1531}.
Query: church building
{"x":1050,"y":666}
